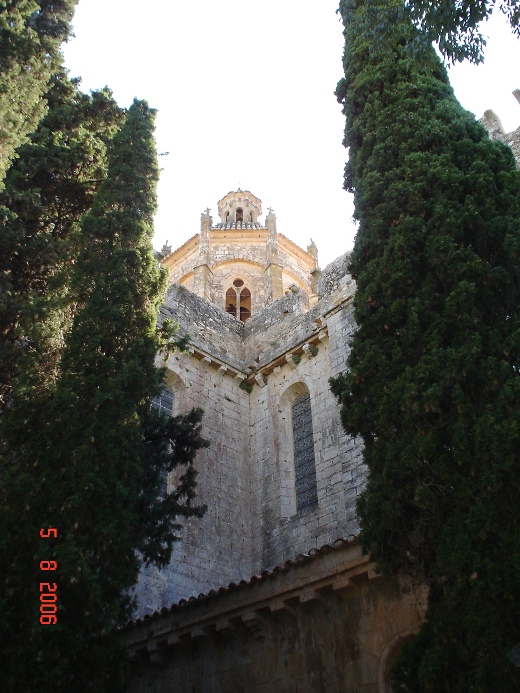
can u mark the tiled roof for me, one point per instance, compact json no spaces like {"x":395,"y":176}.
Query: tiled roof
{"x":261,"y":577}
{"x":239,"y":225}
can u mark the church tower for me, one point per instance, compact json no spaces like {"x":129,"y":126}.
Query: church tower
{"x":269,"y":590}
{"x":267,"y":330}
{"x":273,"y":566}
{"x":242,"y":264}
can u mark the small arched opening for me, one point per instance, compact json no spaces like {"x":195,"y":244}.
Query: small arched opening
{"x":388,"y":659}
{"x":240,"y":214}
{"x":238,"y":300}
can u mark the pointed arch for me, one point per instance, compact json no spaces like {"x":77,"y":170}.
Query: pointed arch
{"x":238,"y":299}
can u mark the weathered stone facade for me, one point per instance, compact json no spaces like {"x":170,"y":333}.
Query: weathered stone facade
{"x":492,"y":123}
{"x":267,"y":593}
{"x":241,"y":247}
{"x":247,"y":475}
{"x":285,"y":629}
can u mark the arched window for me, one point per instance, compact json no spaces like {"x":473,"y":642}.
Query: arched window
{"x":240,"y":214}
{"x":238,"y":300}
{"x":164,"y":404}
{"x":304,"y":460}
{"x":388,"y":658}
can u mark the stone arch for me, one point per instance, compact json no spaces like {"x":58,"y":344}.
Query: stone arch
{"x":289,"y":277}
{"x":388,"y":658}
{"x":186,"y":280}
{"x":176,"y":384}
{"x":177,"y":387}
{"x":238,"y":265}
{"x":291,"y":467}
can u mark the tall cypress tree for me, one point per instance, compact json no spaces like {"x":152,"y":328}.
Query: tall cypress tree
{"x":31,"y":32}
{"x":88,"y":458}
{"x":432,"y":385}
{"x":49,"y":187}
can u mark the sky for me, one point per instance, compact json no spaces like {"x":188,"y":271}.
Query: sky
{"x":245,"y":98}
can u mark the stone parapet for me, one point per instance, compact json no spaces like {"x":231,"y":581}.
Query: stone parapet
{"x":492,"y":123}
{"x":209,"y":327}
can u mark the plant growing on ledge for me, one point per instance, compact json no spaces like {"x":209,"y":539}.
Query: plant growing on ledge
{"x":313,"y":349}
{"x":433,"y":380}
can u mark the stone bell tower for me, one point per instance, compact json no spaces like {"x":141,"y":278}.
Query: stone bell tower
{"x":242,"y":264}
{"x":239,"y":207}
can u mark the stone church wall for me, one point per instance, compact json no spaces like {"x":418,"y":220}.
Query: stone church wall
{"x":282,"y":329}
{"x":246,"y":476}
{"x":215,"y":549}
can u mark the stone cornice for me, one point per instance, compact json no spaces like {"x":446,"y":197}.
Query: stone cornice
{"x":248,"y":604}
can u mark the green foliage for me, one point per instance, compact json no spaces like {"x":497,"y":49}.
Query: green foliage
{"x":48,"y":188}
{"x":433,"y":382}
{"x":454,"y":24}
{"x":31,"y":32}
{"x":313,"y":349}
{"x":88,"y":455}
{"x":247,"y":388}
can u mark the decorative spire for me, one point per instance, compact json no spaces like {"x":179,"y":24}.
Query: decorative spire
{"x":272,"y":238}
{"x":166,"y":250}
{"x":205,"y":228}
{"x":312,"y":249}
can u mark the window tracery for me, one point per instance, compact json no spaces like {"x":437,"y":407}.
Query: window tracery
{"x":238,"y":300}
{"x":304,"y":460}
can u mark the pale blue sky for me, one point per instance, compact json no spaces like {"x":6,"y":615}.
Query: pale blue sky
{"x":244,"y":92}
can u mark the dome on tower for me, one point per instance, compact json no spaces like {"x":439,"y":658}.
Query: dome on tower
{"x":240,"y":208}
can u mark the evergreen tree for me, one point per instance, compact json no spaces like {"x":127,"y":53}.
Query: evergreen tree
{"x":48,"y":189}
{"x":454,"y":24}
{"x":88,"y":458}
{"x":31,"y":32}
{"x":432,"y":385}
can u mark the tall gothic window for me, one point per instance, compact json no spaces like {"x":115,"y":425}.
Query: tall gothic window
{"x":238,"y":300}
{"x":164,"y":401}
{"x":304,"y":461}
{"x":164,"y":404}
